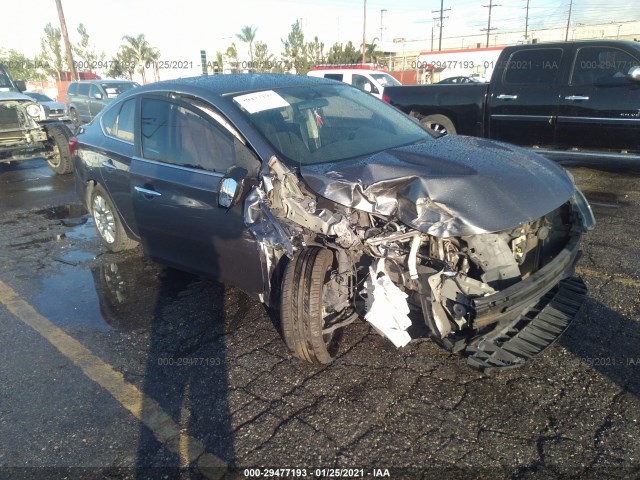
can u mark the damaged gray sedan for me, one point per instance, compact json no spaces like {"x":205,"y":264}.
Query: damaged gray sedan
{"x":331,"y":206}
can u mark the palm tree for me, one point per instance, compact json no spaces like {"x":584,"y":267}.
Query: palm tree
{"x":140,"y":49}
{"x":248,"y":35}
{"x":372,"y":52}
{"x":232,"y":53}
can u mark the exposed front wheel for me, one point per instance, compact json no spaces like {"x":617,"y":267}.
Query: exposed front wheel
{"x":440,"y":124}
{"x":303,"y":306}
{"x":59,"y":157}
{"x":108,"y":223}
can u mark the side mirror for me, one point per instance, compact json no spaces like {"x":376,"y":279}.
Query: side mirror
{"x":98,"y":96}
{"x":367,"y":87}
{"x":21,"y":84}
{"x":634,"y":74}
{"x":231,"y":187}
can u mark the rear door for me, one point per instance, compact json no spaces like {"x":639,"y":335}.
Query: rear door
{"x":524,"y":99}
{"x":600,"y":107}
{"x":81,"y":101}
{"x":174,"y":186}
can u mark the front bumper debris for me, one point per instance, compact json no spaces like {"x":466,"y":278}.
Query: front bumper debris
{"x":532,"y":332}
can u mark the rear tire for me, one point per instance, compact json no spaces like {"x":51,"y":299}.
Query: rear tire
{"x":108,"y":222}
{"x":301,"y":306}
{"x":60,"y":161}
{"x":439,"y":124}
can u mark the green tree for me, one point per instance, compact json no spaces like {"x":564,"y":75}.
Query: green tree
{"x":295,"y":50}
{"x":248,"y":35}
{"x":371,"y":52}
{"x":83,"y":49}
{"x":219,"y":67}
{"x":139,"y":48}
{"x":265,"y":61}
{"x":343,"y":54}
{"x":122,"y":65}
{"x":315,"y":52}
{"x":232,"y":53}
{"x":22,"y":68}
{"x":51,"y":51}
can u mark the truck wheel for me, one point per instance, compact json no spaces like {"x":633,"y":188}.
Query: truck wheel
{"x":439,"y":124}
{"x":108,"y":222}
{"x":301,"y":306}
{"x":73,"y":116}
{"x":59,"y":159}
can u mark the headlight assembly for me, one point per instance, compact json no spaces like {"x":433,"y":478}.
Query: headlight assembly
{"x":33,"y":110}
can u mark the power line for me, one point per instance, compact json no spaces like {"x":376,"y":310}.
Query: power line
{"x":442,"y":10}
{"x":489,"y":28}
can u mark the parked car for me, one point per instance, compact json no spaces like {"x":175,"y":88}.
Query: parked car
{"x":459,"y":80}
{"x":330,"y":205}
{"x":57,"y":110}
{"x":27,"y":130}
{"x":566,"y":100}
{"x":367,"y":78}
{"x":88,"y":97}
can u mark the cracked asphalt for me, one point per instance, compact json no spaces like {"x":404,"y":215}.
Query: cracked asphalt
{"x":208,"y":361}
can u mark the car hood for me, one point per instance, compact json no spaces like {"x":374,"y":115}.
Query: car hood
{"x":54,"y":105}
{"x":453,"y":186}
{"x":4,"y":96}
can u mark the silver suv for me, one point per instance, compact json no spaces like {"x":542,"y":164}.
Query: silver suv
{"x":87,"y":97}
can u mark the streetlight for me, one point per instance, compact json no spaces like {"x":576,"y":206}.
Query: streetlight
{"x":382,"y":10}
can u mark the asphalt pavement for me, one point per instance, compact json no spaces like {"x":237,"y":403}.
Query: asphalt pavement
{"x":112,"y":366}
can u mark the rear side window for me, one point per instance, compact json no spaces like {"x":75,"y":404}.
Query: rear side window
{"x":73,"y":89}
{"x":119,"y":122}
{"x":177,"y":134}
{"x":601,"y":65}
{"x":533,"y":67}
{"x":334,"y":76}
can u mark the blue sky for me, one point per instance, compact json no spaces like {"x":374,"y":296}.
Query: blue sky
{"x":180,"y":29}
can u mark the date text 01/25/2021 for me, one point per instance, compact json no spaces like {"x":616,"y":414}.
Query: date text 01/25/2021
{"x":316,"y":472}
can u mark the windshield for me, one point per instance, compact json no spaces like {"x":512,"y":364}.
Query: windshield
{"x":5,"y":82}
{"x":326,"y":123}
{"x":114,"y":89}
{"x":38,"y":96}
{"x":386,"y":80}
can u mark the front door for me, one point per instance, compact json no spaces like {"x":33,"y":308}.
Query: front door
{"x":524,"y":102}
{"x":174,"y":185}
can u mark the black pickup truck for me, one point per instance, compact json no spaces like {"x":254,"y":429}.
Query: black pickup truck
{"x":564,"y":99}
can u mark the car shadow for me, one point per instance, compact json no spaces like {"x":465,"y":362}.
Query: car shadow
{"x":177,"y":320}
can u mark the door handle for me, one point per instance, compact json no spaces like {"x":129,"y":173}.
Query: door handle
{"x":576,"y":98}
{"x":146,"y":192}
{"x":506,"y":97}
{"x":109,"y":165}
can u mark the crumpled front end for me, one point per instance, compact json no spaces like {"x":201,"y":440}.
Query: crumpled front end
{"x":20,"y":134}
{"x":499,"y":295}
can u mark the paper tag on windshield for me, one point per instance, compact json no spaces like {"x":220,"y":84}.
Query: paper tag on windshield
{"x":261,"y":101}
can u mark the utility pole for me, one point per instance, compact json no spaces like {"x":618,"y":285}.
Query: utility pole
{"x":526,"y":23}
{"x":67,"y":44}
{"x":489,"y":27}
{"x":364,"y":32}
{"x":566,"y":35}
{"x":381,"y":27}
{"x":442,"y":10}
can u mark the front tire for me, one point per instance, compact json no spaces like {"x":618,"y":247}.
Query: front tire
{"x":301,"y":306}
{"x":108,"y":222}
{"x":439,"y":124}
{"x":59,"y":158}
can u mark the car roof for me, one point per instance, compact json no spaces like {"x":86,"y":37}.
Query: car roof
{"x":235,"y":83}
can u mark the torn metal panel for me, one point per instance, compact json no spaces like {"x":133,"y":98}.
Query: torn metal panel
{"x":387,"y":307}
{"x":263,"y":225}
{"x":457,"y":186}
